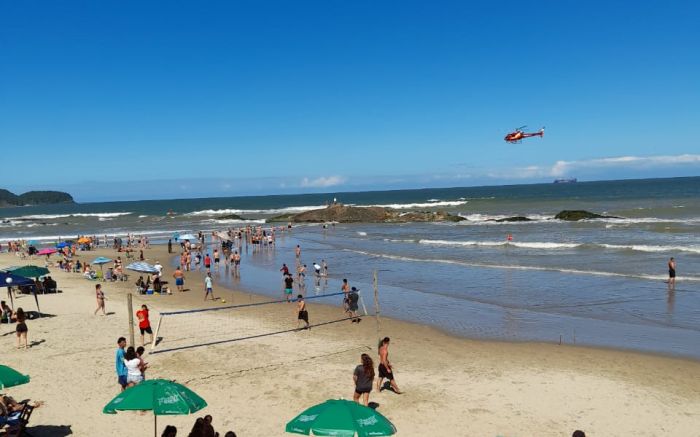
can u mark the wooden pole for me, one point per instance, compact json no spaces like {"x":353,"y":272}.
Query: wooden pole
{"x":376,"y":303}
{"x":155,"y":334}
{"x":130,"y":309}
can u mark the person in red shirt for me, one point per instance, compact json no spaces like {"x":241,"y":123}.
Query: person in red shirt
{"x":144,"y":324}
{"x":207,"y":262}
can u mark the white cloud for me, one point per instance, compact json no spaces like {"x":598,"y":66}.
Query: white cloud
{"x":322,"y":182}
{"x":562,"y":168}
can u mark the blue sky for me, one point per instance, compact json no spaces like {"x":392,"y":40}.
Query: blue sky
{"x":137,"y":100}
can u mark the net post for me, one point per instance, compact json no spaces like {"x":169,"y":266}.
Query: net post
{"x":130,"y":309}
{"x":362,"y":301}
{"x":376,"y":301}
{"x":155,"y":334}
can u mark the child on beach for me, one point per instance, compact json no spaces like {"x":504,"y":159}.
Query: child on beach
{"x":100,"y":296}
{"x":208,"y":287}
{"x":144,"y":365}
{"x":133,"y":367}
{"x":144,"y":324}
{"x":288,"y":286}
{"x":21,"y":329}
{"x":302,"y":313}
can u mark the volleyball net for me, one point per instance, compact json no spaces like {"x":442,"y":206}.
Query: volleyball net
{"x":194,"y":328}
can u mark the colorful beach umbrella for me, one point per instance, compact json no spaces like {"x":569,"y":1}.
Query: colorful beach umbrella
{"x":84,"y":240}
{"x":47,"y":251}
{"x":163,"y":397}
{"x":9,"y":377}
{"x":28,"y":271}
{"x":63,"y":244}
{"x":101,"y":260}
{"x":339,"y":417}
{"x":188,"y":237}
{"x":142,"y":267}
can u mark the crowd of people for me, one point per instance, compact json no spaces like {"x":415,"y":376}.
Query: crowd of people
{"x":202,"y":428}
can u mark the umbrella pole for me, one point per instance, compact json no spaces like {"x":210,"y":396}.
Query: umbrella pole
{"x":155,"y":425}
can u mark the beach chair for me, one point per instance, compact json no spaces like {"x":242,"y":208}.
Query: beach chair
{"x":18,"y":428}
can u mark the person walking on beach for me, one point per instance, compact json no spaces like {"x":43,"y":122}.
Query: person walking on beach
{"x":100,"y":295}
{"x":216,"y":258}
{"x":364,"y":379}
{"x":353,"y":299}
{"x":345,"y":288}
{"x":21,"y":329}
{"x":207,"y":262}
{"x":672,"y":272}
{"x":302,"y":313}
{"x":170,"y":246}
{"x":385,"y":368}
{"x":120,"y":366}
{"x":144,"y":324}
{"x":179,"y":278}
{"x":236,"y":264}
{"x":208,"y":287}
{"x":288,"y":286}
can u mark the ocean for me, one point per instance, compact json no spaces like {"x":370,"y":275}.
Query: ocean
{"x":596,"y":282}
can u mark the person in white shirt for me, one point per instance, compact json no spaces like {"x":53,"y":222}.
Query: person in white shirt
{"x":208,"y":287}
{"x":159,"y":267}
{"x":132,"y":362}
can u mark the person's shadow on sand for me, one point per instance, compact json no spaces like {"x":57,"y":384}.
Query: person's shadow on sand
{"x":36,"y":342}
{"x":373,"y":405}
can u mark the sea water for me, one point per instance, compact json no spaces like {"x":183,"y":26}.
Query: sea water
{"x":595,"y":282}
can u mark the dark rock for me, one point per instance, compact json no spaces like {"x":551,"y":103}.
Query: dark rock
{"x":518,"y":218}
{"x":576,"y":215}
{"x":373,"y":214}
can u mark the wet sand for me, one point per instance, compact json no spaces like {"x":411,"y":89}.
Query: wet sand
{"x":453,"y":386}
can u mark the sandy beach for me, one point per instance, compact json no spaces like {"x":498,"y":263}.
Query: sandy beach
{"x":452,"y":386}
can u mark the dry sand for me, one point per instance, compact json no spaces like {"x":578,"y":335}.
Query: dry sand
{"x":453,"y":386}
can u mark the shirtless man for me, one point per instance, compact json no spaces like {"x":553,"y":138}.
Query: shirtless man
{"x":345,"y":288}
{"x":385,"y":369}
{"x":237,"y":264}
{"x":672,"y":272}
{"x":297,"y":252}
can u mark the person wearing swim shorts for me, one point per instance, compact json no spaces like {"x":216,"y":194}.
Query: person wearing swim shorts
{"x":144,"y":324}
{"x":385,"y":368}
{"x":120,"y":366}
{"x":302,"y":313}
{"x":288,"y":286}
{"x":364,"y":379}
{"x":208,"y":287}
{"x":179,"y":279}
{"x":672,"y":272}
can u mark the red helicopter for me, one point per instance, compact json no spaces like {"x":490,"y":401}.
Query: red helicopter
{"x":518,"y":135}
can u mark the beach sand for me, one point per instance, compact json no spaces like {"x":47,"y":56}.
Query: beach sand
{"x":452,"y":386}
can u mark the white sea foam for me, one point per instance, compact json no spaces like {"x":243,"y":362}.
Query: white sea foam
{"x":652,"y":248}
{"x":56,"y":216}
{"x":361,"y":233}
{"x":520,"y":267}
{"x":233,"y":221}
{"x":521,"y":244}
{"x":490,"y":219}
{"x":287,"y":210}
{"x":428,"y":204}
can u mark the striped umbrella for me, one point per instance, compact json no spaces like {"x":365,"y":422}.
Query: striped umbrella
{"x":142,"y":267}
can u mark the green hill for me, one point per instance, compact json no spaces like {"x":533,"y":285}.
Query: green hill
{"x":8,"y":198}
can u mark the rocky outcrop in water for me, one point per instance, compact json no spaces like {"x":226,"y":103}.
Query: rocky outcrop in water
{"x":576,"y":215}
{"x":518,"y":218}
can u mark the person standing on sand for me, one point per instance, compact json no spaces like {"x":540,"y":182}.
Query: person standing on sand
{"x":100,"y":295}
{"x":302,"y":313}
{"x":179,"y":278}
{"x":144,"y":324}
{"x":21,"y":329}
{"x":120,"y":366}
{"x":385,"y":368}
{"x":672,"y":272}
{"x":345,"y":288}
{"x":208,"y":287}
{"x":207,"y":262}
{"x":364,"y":379}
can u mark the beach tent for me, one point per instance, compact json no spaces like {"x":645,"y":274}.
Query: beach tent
{"x":47,"y":251}
{"x":28,"y":271}
{"x":11,"y":280}
{"x":163,"y":397}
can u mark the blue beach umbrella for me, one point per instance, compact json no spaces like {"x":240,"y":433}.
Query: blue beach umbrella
{"x":63,"y":244}
{"x":101,"y":260}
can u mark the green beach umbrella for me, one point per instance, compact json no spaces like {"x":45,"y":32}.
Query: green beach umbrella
{"x":338,"y":417}
{"x":163,"y":397}
{"x":29,"y":271}
{"x":9,"y":377}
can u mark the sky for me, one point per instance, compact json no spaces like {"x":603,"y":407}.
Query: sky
{"x":137,"y":100}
